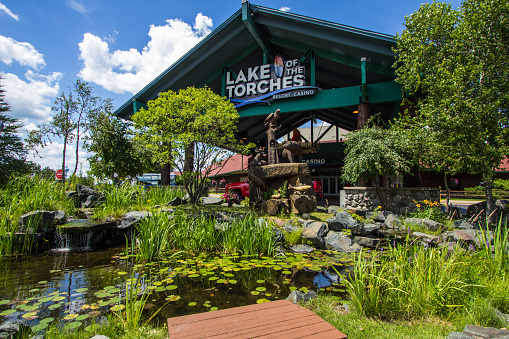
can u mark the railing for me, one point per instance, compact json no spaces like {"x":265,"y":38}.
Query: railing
{"x":479,"y":195}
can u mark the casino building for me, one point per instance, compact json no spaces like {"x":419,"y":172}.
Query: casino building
{"x":313,"y":70}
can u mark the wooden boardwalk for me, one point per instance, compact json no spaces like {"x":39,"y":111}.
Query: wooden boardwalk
{"x":276,"y":319}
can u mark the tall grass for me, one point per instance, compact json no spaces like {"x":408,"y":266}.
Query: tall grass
{"x":25,"y":194}
{"x":182,"y":231}
{"x":411,"y":282}
{"x":122,"y":198}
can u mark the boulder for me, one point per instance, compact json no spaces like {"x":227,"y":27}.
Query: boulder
{"x":343,"y":221}
{"x":429,"y":224}
{"x":38,"y":222}
{"x":468,"y":237}
{"x":340,"y":242}
{"x":298,"y":297}
{"x":371,"y":242}
{"x":485,"y":332}
{"x":392,"y":221}
{"x":302,"y":248}
{"x":463,"y":224}
{"x":85,"y":190}
{"x":131,"y":218}
{"x":366,"y":229}
{"x":13,"y":329}
{"x":428,"y":238}
{"x":458,"y":335}
{"x":211,"y":201}
{"x":315,"y":231}
{"x":302,"y":203}
{"x":177,"y":201}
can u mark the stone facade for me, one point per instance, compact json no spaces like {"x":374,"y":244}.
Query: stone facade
{"x":402,"y":198}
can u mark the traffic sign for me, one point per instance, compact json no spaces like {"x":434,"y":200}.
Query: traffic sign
{"x":58,"y":175}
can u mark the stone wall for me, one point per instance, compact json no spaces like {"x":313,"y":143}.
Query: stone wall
{"x":402,"y":198}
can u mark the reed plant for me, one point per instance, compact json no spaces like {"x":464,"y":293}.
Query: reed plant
{"x":411,"y":281}
{"x":152,"y":236}
{"x":250,"y":236}
{"x":25,"y":194}
{"x":193,"y":233}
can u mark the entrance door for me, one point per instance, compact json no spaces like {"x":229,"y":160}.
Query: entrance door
{"x":329,"y":185}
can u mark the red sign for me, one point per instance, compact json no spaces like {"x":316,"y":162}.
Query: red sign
{"x":58,"y":175}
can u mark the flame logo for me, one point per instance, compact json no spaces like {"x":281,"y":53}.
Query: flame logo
{"x":278,"y":66}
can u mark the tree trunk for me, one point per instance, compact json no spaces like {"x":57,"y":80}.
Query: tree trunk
{"x":63,"y":162}
{"x":448,"y":194}
{"x":77,"y":146}
{"x":490,"y":201}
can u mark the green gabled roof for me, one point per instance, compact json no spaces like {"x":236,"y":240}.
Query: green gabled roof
{"x":338,"y":49}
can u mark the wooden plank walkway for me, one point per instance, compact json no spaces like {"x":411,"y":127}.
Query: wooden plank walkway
{"x":275,"y":319}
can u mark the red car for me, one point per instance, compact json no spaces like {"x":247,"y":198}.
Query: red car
{"x":240,"y":190}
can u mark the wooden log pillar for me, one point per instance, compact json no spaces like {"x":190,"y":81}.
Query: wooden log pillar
{"x":362,"y":117}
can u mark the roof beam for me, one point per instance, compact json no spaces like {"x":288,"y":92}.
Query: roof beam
{"x":256,"y":30}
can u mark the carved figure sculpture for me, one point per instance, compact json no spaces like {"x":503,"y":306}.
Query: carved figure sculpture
{"x":259,"y":159}
{"x":292,"y":152}
{"x":271,"y":124}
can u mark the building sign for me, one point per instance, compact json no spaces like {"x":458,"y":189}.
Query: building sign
{"x":315,"y":162}
{"x":262,"y":84}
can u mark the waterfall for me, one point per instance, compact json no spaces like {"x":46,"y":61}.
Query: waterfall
{"x":73,"y":242}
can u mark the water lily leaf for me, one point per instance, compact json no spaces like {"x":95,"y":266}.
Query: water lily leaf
{"x":54,"y":306}
{"x":108,"y":288}
{"x":94,"y":313}
{"x":114,"y":290}
{"x":82,"y":290}
{"x":260,"y":281}
{"x":117,"y":308}
{"x":29,"y":315}
{"x":173,"y":297}
{"x":192,"y":303}
{"x":221,"y":281}
{"x":40,"y":327}
{"x":213,"y":278}
{"x":42,"y":282}
{"x":158,"y":283}
{"x":46,"y":299}
{"x":82,"y":317}
{"x":73,"y":325}
{"x":71,"y":316}
{"x":232,"y":281}
{"x":30,"y":308}
{"x":103,"y":303}
{"x":277,"y":268}
{"x":58,"y":299}
{"x":261,"y":301}
{"x":7,"y":312}
{"x":229,"y":275}
{"x":160,"y":289}
{"x":114,"y":300}
{"x":293,"y":288}
{"x":193,"y":275}
{"x":121,"y":273}
{"x":213,"y":309}
{"x":171,"y":287}
{"x":34,"y":290}
{"x":46,"y":320}
{"x":286,"y":272}
{"x":255,"y":292}
{"x":261,"y":289}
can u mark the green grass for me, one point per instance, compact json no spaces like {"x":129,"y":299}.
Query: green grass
{"x":358,"y":326}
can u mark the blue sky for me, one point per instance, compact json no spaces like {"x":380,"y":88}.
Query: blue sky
{"x":120,"y":46}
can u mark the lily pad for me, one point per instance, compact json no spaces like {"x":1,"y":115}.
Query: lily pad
{"x":192,"y":303}
{"x":54,"y":306}
{"x":81,"y":290}
{"x":261,"y":289}
{"x":71,"y":316}
{"x":46,"y":320}
{"x":82,"y":317}
{"x":7,"y":312}
{"x":121,"y":273}
{"x":255,"y":292}
{"x":260,"y":281}
{"x":117,"y":308}
{"x":29,"y":315}
{"x":261,"y":301}
{"x":74,"y":325}
{"x":171,"y":287}
{"x":34,"y":290}
{"x":40,"y":327}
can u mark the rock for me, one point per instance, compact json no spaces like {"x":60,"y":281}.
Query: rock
{"x":366,"y":229}
{"x":429,"y":224}
{"x":343,"y":220}
{"x":485,"y":332}
{"x":298,"y":297}
{"x":371,"y":242}
{"x":72,"y":195}
{"x":13,"y":329}
{"x":37,"y":222}
{"x":59,"y":217}
{"x":302,"y":203}
{"x":290,"y":228}
{"x":504,"y":318}
{"x":92,"y":201}
{"x":302,"y":248}
{"x":462,"y":224}
{"x":271,"y":206}
{"x":306,"y":216}
{"x":333,"y":209}
{"x":428,"y":238}
{"x":131,"y":218}
{"x":315,"y":231}
{"x":379,"y":216}
{"x":177,"y":201}
{"x":99,"y":336}
{"x":391,"y":221}
{"x":211,"y":201}
{"x":340,"y":242}
{"x":85,"y":190}
{"x":458,"y":335}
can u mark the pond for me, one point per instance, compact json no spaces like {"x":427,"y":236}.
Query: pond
{"x":78,"y":288}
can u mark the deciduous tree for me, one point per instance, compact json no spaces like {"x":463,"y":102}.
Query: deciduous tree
{"x":457,"y":63}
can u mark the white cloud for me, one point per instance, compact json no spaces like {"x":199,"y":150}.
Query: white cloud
{"x":51,"y":156}
{"x":124,"y":71}
{"x":284,"y":9}
{"x":77,"y":6}
{"x":22,"y":52}
{"x":31,"y":99}
{"x":7,"y":11}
